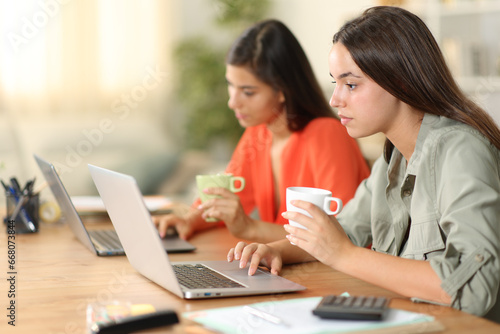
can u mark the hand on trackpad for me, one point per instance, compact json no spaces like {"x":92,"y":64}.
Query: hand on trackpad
{"x":171,"y":231}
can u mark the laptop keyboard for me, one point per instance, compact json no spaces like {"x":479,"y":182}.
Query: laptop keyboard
{"x":106,"y":239}
{"x":198,"y":276}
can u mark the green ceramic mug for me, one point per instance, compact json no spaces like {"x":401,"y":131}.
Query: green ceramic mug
{"x":227,"y":181}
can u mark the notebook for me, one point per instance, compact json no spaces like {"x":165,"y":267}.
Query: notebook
{"x":103,"y":242}
{"x":137,"y":233}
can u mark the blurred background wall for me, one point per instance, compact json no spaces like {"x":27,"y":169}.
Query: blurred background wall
{"x":138,"y":85}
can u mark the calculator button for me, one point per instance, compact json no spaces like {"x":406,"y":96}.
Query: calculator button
{"x":353,"y":307}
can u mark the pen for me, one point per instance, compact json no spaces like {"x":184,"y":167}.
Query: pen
{"x":15,"y":186}
{"x":264,"y":315}
{"x":20,"y":200}
{"x":418,"y":300}
{"x":5,"y":186}
{"x":28,"y":188}
{"x":38,"y":189}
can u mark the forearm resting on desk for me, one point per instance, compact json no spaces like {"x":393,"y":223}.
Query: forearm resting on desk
{"x":261,"y":231}
{"x":411,"y":278}
{"x":291,"y":254}
{"x":190,"y":219}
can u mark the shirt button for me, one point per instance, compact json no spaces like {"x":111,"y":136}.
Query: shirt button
{"x":479,"y":258}
{"x":406,"y":193}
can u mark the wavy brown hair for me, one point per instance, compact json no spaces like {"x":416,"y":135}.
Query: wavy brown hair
{"x":396,"y":49}
{"x":272,"y":53}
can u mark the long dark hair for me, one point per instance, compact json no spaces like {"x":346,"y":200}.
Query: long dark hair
{"x":396,"y":49}
{"x":272,"y":53}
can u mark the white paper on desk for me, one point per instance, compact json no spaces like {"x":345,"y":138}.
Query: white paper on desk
{"x":297,"y":313}
{"x":95,"y":203}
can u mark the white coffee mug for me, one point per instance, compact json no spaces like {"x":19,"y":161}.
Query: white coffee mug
{"x":320,"y":197}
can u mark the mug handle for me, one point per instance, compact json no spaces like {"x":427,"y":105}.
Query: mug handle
{"x":327,"y":202}
{"x":233,"y":180}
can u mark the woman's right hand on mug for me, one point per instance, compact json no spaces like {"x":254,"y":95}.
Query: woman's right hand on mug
{"x":257,"y":254}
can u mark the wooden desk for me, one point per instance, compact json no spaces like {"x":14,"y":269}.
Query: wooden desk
{"x":57,"y":277}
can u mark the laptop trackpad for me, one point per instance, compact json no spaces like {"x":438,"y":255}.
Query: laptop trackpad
{"x":173,"y":244}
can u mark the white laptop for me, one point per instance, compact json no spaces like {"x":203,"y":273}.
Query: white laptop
{"x":132,"y":221}
{"x":103,"y":242}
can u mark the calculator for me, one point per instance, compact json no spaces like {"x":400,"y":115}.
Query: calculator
{"x":352,"y":307}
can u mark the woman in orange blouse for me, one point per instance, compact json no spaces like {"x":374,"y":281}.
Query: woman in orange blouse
{"x":292,"y":138}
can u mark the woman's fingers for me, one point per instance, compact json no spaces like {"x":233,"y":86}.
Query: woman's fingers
{"x":235,"y":253}
{"x":255,"y":254}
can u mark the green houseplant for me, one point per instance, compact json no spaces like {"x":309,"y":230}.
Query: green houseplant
{"x":200,"y":68}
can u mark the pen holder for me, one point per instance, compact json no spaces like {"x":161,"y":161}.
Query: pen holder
{"x":22,"y":213}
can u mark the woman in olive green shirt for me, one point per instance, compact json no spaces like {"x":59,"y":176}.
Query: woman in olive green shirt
{"x":431,"y":207}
